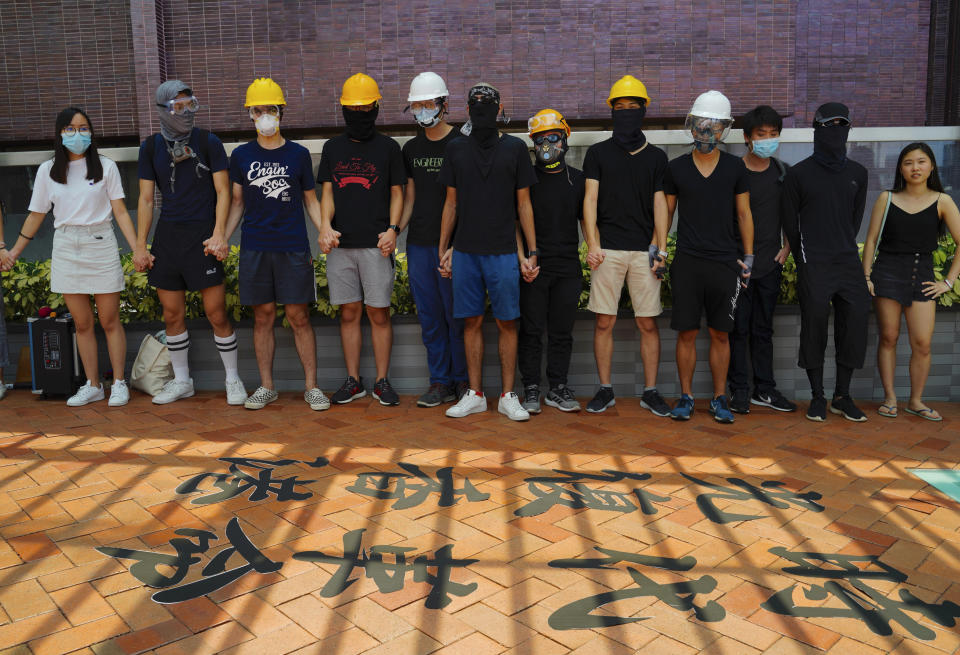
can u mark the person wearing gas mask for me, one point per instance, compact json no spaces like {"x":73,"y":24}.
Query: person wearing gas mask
{"x":710,"y":189}
{"x":488,"y":176}
{"x":422,"y":207}
{"x":362,"y":176}
{"x":822,"y":207}
{"x":85,"y":192}
{"x":625,"y":226}
{"x":753,"y":329}
{"x":189,"y":166}
{"x":272,"y":182}
{"x":548,"y":301}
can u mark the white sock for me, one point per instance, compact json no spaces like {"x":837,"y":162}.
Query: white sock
{"x":179,"y":347}
{"x":228,"y":353}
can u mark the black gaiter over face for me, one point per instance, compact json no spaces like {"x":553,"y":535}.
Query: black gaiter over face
{"x":483,"y":119}
{"x":830,"y":146}
{"x":627,"y":128}
{"x":361,"y":125}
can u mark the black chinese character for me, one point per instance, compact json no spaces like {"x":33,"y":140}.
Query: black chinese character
{"x":550,"y":492}
{"x":377,"y":485}
{"x":768,"y":492}
{"x":260,"y":487}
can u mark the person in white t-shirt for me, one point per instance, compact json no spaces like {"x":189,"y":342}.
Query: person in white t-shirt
{"x":85,"y":193}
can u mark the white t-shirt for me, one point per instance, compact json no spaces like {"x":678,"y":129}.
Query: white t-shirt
{"x":80,"y":201}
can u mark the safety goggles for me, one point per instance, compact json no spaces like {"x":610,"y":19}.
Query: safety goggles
{"x":420,"y":105}
{"x":70,"y":130}
{"x":259,"y":110}
{"x":550,"y":138}
{"x":181,"y":106}
{"x":707,"y":128}
{"x":544,"y":122}
{"x":833,"y":121}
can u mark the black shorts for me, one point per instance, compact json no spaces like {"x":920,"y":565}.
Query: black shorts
{"x":699,"y":284}
{"x":179,"y":263}
{"x":900,"y":276}
{"x":284,"y":278}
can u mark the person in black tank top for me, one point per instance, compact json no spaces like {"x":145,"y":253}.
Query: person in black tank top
{"x":908,"y":221}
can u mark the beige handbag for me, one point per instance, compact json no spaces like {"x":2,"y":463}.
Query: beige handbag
{"x":152,"y":368}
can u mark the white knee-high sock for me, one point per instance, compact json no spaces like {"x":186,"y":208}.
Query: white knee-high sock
{"x":228,"y":353}
{"x":179,"y":347}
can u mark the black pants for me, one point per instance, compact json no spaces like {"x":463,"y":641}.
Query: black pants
{"x":753,"y":333}
{"x":842,"y":284}
{"x":548,"y":303}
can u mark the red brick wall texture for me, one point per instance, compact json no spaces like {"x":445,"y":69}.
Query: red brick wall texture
{"x":109,"y":55}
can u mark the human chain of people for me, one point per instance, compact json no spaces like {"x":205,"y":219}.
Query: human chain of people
{"x":486,"y":226}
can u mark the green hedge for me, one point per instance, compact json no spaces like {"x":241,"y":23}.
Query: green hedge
{"x":26,"y":288}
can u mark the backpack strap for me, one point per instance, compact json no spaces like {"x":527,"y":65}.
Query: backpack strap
{"x":780,"y":167}
{"x":203,"y":146}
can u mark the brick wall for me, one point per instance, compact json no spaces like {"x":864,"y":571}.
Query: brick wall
{"x":109,"y":56}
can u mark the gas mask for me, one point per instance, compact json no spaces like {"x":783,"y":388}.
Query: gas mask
{"x":707,"y":133}
{"x":550,"y":150}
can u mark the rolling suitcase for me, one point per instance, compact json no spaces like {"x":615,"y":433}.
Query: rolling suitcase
{"x":54,"y":363}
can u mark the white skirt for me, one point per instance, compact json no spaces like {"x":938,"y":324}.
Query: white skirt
{"x":86,"y":259}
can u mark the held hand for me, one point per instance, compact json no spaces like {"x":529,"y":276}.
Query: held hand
{"x":7,"y":260}
{"x":781,"y":256}
{"x":930,"y":289}
{"x":142,"y":259}
{"x":387,"y":242}
{"x":446,"y":263}
{"x":529,"y":269}
{"x":871,"y":290}
{"x":747,"y":265}
{"x":328,"y":240}
{"x":217,"y":246}
{"x":595,"y":258}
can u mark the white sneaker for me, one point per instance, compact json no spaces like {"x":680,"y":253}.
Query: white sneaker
{"x":174,"y":390}
{"x":236,"y":392}
{"x":86,"y":394}
{"x":119,"y":393}
{"x":469,"y":403}
{"x":260,"y":398}
{"x":510,"y":407}
{"x":317,"y":401}
{"x":3,"y":390}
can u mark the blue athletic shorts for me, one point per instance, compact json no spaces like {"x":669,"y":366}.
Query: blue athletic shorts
{"x":476,"y":276}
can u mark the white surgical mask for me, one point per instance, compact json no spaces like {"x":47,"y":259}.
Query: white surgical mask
{"x":267,"y":125}
{"x":427,"y":117}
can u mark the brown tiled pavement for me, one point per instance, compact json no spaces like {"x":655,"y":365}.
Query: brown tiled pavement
{"x":646,"y":536}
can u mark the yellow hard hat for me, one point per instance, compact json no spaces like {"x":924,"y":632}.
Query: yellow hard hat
{"x":627,"y":87}
{"x":359,"y":89}
{"x":546,"y":120}
{"x":264,"y":91}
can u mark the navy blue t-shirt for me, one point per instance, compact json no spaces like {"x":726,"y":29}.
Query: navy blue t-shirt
{"x":273,"y":184}
{"x":194,"y":197}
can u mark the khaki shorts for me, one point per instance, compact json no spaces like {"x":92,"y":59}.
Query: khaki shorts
{"x":606,"y":284}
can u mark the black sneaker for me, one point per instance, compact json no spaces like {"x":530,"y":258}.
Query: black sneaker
{"x":531,"y":399}
{"x":818,"y":409}
{"x":844,"y":405}
{"x":602,"y":400}
{"x":460,"y":388}
{"x":652,"y":400}
{"x":740,"y":401}
{"x":383,"y":392}
{"x":774,"y":400}
{"x":351,"y":389}
{"x":437,"y":393}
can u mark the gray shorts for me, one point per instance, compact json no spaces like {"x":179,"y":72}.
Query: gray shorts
{"x":355,"y":274}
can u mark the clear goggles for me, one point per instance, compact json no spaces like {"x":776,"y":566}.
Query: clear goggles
{"x":833,"y":121}
{"x":181,"y":106}
{"x":544,"y":122}
{"x":259,"y":110}
{"x":70,"y":130}
{"x":702,"y":128}
{"x":421,"y":105}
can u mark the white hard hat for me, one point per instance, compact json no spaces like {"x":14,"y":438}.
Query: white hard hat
{"x":712,"y":104}
{"x":427,"y":86}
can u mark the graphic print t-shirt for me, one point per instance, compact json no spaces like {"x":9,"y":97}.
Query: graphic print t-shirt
{"x":361,"y":173}
{"x":273,"y":183}
{"x":423,"y":159}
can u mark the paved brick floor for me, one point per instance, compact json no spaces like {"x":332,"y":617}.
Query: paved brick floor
{"x":772,"y":535}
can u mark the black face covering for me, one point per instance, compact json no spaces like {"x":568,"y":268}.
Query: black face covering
{"x":483,"y":120}
{"x":627,"y":128}
{"x":830,"y":146}
{"x":361,"y":125}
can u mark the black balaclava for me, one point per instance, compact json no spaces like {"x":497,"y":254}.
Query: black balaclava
{"x":361,"y":125}
{"x":484,"y":106}
{"x":627,"y":127}
{"x":830,"y":143}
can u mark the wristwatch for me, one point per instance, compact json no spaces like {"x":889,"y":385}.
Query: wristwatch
{"x":395,"y":228}
{"x":533,"y":253}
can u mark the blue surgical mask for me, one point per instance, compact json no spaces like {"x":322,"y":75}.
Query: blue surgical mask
{"x":427,"y":117}
{"x":76,"y":143}
{"x":765,"y":148}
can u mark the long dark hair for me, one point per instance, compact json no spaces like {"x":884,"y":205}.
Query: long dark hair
{"x":933,"y":182}
{"x":61,"y":160}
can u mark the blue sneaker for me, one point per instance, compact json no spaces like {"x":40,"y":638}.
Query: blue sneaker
{"x":720,"y":410}
{"x":684,"y":409}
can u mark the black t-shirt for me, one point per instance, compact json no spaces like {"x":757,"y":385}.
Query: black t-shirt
{"x":707,"y":224}
{"x":557,"y":208}
{"x":625,"y":198}
{"x":765,"y":191}
{"x":362,"y":173}
{"x":423,"y":159}
{"x":822,"y":210}
{"x":487,"y":206}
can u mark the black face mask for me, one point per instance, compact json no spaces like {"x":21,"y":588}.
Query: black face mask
{"x":830,"y":146}
{"x":550,"y":156}
{"x":361,"y":124}
{"x":483,"y":121}
{"x":627,"y":128}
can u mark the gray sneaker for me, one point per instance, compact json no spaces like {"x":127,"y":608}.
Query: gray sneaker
{"x":260,"y":398}
{"x":531,"y":399}
{"x":563,"y":399}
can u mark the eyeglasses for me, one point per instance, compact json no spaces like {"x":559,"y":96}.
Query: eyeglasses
{"x":181,"y":106}
{"x":260,"y":110}
{"x":833,"y":121}
{"x":70,"y":130}
{"x":552,"y":138}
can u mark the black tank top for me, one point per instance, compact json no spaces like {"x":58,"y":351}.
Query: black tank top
{"x":906,"y":232}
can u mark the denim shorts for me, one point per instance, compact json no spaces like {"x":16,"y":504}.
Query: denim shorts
{"x":476,"y":276}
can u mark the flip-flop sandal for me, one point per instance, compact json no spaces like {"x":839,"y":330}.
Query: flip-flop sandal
{"x":890,"y":411}
{"x":927,"y":414}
